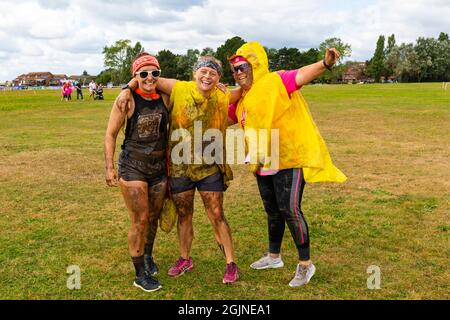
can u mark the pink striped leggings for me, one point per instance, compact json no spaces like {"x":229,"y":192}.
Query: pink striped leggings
{"x":282,"y":197}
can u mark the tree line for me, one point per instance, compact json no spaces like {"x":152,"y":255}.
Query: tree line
{"x":118,"y":58}
{"x":427,"y":60}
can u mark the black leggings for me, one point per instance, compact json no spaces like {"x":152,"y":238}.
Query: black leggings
{"x":282,"y":197}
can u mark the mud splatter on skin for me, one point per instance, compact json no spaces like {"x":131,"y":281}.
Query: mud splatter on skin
{"x":156,"y":195}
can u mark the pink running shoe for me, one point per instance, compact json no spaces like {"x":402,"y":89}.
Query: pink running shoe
{"x":180,"y":267}
{"x":231,"y":273}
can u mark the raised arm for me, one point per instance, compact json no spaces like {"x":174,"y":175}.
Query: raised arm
{"x":116,"y":119}
{"x":165,"y":85}
{"x":310,"y":72}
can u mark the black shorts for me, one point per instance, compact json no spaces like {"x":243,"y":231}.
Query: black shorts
{"x":152,"y":171}
{"x":213,"y":183}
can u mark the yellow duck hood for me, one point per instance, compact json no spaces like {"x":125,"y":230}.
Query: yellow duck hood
{"x":267,"y":105}
{"x":256,"y":55}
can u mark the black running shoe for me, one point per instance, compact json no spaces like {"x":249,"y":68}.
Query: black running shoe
{"x":147,"y":283}
{"x":150,"y":267}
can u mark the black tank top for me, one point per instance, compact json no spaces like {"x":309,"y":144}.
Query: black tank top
{"x":147,"y":129}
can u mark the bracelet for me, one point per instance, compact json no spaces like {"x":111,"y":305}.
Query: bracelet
{"x":325,"y":65}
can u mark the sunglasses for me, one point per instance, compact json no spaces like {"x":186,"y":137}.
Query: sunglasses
{"x":144,"y":74}
{"x":243,"y":68}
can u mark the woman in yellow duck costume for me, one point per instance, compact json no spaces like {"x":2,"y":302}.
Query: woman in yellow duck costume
{"x":272,"y":101}
{"x":196,"y":107}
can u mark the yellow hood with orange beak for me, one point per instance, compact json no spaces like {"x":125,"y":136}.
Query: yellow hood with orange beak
{"x":286,"y":120}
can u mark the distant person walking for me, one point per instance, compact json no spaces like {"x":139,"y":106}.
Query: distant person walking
{"x":69,"y":90}
{"x":92,"y":89}
{"x":66,"y":92}
{"x":79,"y":90}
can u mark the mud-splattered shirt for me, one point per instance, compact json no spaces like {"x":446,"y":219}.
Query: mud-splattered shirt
{"x":192,"y":115}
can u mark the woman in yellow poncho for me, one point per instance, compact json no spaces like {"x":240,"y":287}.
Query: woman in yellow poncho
{"x":272,"y":101}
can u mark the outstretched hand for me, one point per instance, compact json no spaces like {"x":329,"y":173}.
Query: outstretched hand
{"x":332,"y":56}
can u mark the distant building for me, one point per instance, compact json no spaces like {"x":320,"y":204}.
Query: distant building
{"x":39,"y":79}
{"x":33,"y":79}
{"x":355,"y":72}
{"x":48,"y":79}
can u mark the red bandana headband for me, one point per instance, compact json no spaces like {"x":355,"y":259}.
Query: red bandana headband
{"x":235,"y":59}
{"x":146,"y":60}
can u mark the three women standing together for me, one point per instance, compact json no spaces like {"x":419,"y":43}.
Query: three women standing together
{"x":156,"y":108}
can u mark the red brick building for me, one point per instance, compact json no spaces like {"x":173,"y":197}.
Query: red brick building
{"x":355,"y":72}
{"x":39,"y":79}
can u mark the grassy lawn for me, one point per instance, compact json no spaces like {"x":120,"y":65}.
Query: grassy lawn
{"x":392,"y":141}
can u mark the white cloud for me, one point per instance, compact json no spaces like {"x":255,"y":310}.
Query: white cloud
{"x":68,"y":36}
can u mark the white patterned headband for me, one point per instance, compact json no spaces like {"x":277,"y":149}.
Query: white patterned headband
{"x":202,"y":62}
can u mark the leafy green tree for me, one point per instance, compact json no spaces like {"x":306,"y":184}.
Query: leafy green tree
{"x":118,"y":59}
{"x":132,"y":52}
{"x":185,"y":63}
{"x":391,"y":61}
{"x":115,"y":57}
{"x":289,"y":58}
{"x":168,"y":62}
{"x":272,"y":55}
{"x":443,"y":37}
{"x":208,"y":52}
{"x":426,"y":51}
{"x":407,"y":69}
{"x":390,"y":44}
{"x":344,"y":49}
{"x":105,"y":77}
{"x":309,"y":57}
{"x":442,"y":60}
{"x":224,"y":52}
{"x":377,"y":62}
{"x":388,"y":68}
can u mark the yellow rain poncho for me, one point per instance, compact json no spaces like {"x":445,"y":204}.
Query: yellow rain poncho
{"x":267,"y":105}
{"x":189,"y":107}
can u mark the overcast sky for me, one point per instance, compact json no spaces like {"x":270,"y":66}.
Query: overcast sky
{"x":68,"y":36}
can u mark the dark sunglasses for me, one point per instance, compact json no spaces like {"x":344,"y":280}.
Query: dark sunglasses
{"x":144,"y":74}
{"x":243,"y":68}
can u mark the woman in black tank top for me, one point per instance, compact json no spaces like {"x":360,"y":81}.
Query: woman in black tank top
{"x":142,"y":165}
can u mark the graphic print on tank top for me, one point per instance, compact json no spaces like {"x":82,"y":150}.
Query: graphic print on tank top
{"x":148,"y":125}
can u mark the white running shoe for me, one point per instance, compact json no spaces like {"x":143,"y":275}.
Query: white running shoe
{"x":302,"y":275}
{"x":267,"y":262}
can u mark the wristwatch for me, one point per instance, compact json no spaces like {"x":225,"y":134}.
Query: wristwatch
{"x":325,"y":65}
{"x":126,"y":87}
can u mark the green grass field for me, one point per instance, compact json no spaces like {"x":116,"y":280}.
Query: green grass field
{"x":392,"y":141}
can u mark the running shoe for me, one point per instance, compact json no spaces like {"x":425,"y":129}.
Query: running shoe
{"x":180,"y":267}
{"x":150,"y":267}
{"x":147,"y":283}
{"x":302,"y":275}
{"x":267,"y":262}
{"x":231,"y":273}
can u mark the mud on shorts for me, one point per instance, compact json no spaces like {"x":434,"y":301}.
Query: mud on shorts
{"x":137,"y":168}
{"x":212,"y":183}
